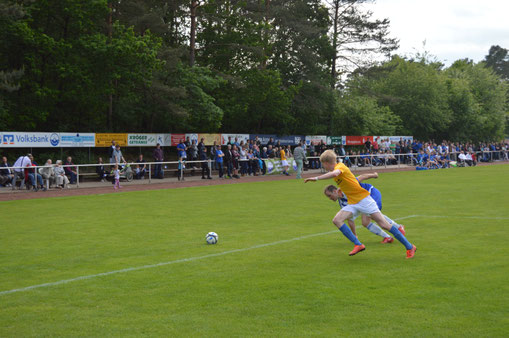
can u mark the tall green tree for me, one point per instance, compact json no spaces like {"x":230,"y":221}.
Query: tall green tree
{"x":498,"y":60}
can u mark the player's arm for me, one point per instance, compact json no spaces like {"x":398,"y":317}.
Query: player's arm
{"x":325,"y":176}
{"x":363,"y":177}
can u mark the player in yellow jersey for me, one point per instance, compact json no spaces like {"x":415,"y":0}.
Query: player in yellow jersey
{"x":284,"y":162}
{"x":359,"y":202}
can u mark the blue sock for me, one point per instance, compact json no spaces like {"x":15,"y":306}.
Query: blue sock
{"x":345,"y":229}
{"x":399,"y":236}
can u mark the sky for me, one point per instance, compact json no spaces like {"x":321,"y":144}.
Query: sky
{"x":452,"y":29}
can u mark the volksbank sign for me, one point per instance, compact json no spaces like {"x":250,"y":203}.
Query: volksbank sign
{"x":30,"y":140}
{"x":46,"y":140}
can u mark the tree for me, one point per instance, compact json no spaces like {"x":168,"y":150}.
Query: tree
{"x":356,"y":37}
{"x":498,"y":60}
{"x":415,"y":91}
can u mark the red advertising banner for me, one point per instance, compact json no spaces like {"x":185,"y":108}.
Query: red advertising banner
{"x":357,"y":140}
{"x":177,"y":138}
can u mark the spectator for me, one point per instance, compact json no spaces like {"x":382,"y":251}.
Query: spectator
{"x":6,"y":175}
{"x":117,"y":155}
{"x":48,"y":173}
{"x":219,"y":160}
{"x":181,"y":150}
{"x":61,"y":180}
{"x":110,"y":151}
{"x":257,"y":141}
{"x":101,"y":172}
{"x":228,"y":158}
{"x":116,"y":177}
{"x":270,"y":151}
{"x":141,"y":167}
{"x":70,"y":171}
{"x":201,"y":145}
{"x":252,"y":163}
{"x":235,"y":161}
{"x":204,"y":165}
{"x":193,"y":152}
{"x":213,"y":154}
{"x":263,"y":157}
{"x":158,"y":157}
{"x":270,"y":143}
{"x":299,"y":156}
{"x":34,"y":177}
{"x":367,"y":145}
{"x":19,"y":172}
{"x":244,"y":164}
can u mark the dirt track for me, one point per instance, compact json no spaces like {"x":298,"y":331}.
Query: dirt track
{"x":107,"y":188}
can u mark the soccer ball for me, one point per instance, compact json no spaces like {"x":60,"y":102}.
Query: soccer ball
{"x":211,"y":238}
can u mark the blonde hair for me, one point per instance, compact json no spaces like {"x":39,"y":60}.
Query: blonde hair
{"x":328,"y":156}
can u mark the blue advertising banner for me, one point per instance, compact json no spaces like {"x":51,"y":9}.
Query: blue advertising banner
{"x":291,"y":140}
{"x":263,"y":138}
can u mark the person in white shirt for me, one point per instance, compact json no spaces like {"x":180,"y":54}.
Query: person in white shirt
{"x":60,"y":178}
{"x":21,"y":162}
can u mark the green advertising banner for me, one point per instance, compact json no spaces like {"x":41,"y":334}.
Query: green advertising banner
{"x":337,"y":140}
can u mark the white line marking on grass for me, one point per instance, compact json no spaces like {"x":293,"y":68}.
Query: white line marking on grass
{"x":65,"y":281}
{"x":450,"y":216}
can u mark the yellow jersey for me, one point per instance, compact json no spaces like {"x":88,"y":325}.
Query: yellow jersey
{"x":349,"y":185}
{"x":283,"y":155}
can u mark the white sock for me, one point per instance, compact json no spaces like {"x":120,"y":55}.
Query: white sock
{"x":391,"y":222}
{"x":374,"y":228}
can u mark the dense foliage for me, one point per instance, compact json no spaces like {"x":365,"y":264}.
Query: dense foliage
{"x":252,"y":66}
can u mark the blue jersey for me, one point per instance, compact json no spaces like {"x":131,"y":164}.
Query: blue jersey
{"x":373,"y":192}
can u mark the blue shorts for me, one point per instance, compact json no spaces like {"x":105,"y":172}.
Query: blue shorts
{"x":377,"y":196}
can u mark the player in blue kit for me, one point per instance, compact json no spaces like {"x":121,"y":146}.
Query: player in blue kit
{"x":335,"y":194}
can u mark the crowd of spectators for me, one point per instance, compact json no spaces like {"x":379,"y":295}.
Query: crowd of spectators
{"x":236,"y":159}
{"x":27,"y":175}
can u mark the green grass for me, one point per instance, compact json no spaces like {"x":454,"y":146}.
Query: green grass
{"x":455,"y":286}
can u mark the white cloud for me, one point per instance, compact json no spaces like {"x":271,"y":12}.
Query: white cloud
{"x":452,"y":29}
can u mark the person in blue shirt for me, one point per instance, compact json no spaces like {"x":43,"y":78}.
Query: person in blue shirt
{"x":335,"y":194}
{"x":181,"y":150}
{"x":219,"y":160}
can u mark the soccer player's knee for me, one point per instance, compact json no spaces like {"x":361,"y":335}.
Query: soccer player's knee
{"x":338,"y":220}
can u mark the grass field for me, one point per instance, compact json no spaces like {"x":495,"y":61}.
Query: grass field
{"x":280,"y":268}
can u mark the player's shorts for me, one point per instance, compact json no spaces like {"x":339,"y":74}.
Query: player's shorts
{"x":284,"y":163}
{"x":377,"y":196}
{"x":366,"y":206}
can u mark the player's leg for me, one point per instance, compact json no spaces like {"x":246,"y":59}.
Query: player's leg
{"x":374,"y":228}
{"x":368,"y":206}
{"x":339,"y":222}
{"x":379,"y":218}
{"x":400,"y":227}
{"x":351,"y":224}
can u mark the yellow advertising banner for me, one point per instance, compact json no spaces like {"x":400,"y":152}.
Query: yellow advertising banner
{"x":210,"y":138}
{"x":104,"y":140}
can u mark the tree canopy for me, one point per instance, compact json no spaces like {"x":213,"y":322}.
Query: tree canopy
{"x":258,"y":66}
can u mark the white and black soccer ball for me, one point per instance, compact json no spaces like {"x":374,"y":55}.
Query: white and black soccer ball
{"x":211,"y":238}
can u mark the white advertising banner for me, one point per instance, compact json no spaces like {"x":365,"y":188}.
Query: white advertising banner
{"x":393,"y":138}
{"x":315,"y":139}
{"x":239,"y":137}
{"x":192,"y":137}
{"x":77,"y":140}
{"x":30,"y":140}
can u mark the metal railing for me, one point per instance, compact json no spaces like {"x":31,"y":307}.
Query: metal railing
{"x":313,"y":162}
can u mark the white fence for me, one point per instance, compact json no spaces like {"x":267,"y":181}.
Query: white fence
{"x":355,"y":161}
